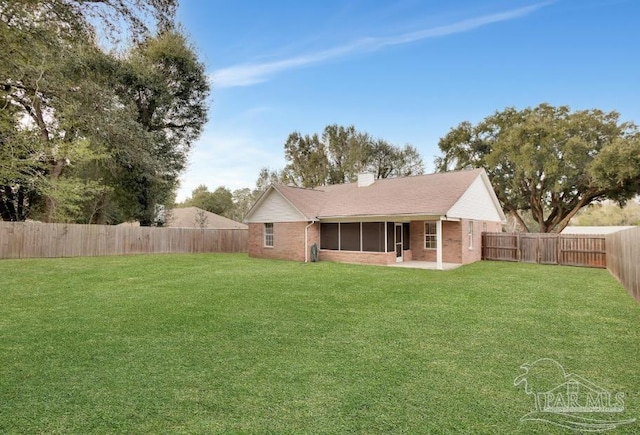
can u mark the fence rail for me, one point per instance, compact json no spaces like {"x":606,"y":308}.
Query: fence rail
{"x":40,"y":240}
{"x":571,"y":250}
{"x":623,"y":259}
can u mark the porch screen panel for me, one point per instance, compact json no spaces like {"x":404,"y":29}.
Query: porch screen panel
{"x":391,"y":240}
{"x":329,"y":236}
{"x":350,"y":236}
{"x":406,"y":239}
{"x":373,"y":236}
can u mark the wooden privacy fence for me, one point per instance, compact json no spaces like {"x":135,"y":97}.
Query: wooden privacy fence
{"x":623,"y":259}
{"x":37,"y":240}
{"x":570,"y":250}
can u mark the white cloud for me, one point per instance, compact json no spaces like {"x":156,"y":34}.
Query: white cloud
{"x":226,"y":159}
{"x":252,"y":73}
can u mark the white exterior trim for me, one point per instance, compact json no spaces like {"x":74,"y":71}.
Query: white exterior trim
{"x":273,"y":206}
{"x":439,"y":245}
{"x":479,"y":202}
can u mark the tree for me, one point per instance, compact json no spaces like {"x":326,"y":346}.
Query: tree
{"x":220,"y":201}
{"x":307,"y":156}
{"x":608,"y":214}
{"x":266,"y":178}
{"x":117,"y":18}
{"x":549,"y":160}
{"x":243,"y":199}
{"x":386,"y":160}
{"x":342,"y":153}
{"x":348,"y":152}
{"x":166,"y":84}
{"x":91,"y":136}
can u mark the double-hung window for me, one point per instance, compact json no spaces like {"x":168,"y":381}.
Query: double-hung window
{"x":430,"y":235}
{"x":268,"y":235}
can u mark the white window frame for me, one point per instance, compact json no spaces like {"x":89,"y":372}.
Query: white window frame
{"x":430,"y":235}
{"x":470,"y":235}
{"x":268,"y":235}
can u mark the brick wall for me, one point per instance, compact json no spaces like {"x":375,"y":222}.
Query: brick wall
{"x":288,"y":240}
{"x":475,"y":253}
{"x":455,"y":241}
{"x":358,"y":257}
{"x":451,"y":243}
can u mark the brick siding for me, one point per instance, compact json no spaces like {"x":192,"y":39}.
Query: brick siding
{"x":358,"y":257}
{"x":288,"y":240}
{"x":455,"y":241}
{"x":288,"y":244}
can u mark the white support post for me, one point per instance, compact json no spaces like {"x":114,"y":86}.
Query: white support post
{"x":439,"y":245}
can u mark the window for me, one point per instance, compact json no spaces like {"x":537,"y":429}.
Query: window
{"x":268,"y":235}
{"x":470,"y":234}
{"x":430,"y":235}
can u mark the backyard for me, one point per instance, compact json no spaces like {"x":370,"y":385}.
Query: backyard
{"x":213,"y":343}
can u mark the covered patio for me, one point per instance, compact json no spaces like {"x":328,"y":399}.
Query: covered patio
{"x":430,"y":265}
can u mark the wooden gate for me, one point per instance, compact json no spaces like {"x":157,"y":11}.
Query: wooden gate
{"x":543,"y":248}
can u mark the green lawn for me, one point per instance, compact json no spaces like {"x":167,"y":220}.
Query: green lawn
{"x":228,"y":344}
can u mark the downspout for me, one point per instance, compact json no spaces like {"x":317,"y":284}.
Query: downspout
{"x":306,"y":242}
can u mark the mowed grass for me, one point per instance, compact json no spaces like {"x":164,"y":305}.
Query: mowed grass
{"x":229,"y":344}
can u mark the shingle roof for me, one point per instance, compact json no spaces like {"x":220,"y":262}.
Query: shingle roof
{"x":432,"y":194}
{"x":194,"y":217}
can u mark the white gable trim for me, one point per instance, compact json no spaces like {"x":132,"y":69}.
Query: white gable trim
{"x":479,"y":202}
{"x":273,"y":206}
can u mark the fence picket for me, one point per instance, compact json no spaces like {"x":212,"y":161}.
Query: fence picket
{"x":623,"y":254}
{"x":37,"y":240}
{"x":573,"y":250}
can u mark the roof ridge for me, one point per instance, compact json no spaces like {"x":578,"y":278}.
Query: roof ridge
{"x":309,"y":189}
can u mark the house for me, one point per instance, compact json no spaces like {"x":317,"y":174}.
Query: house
{"x":194,"y":217}
{"x":435,"y":218}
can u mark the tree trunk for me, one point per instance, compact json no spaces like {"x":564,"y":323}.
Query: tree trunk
{"x":55,"y":171}
{"x":519,"y":220}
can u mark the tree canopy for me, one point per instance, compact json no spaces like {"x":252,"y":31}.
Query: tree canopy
{"x":607,"y":214}
{"x":88,"y":135}
{"x":549,"y":161}
{"x":220,"y":201}
{"x":340,"y":153}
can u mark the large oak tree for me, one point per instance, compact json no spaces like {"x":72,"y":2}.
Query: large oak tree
{"x":549,"y":161}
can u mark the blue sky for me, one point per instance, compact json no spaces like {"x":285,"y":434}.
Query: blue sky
{"x":407,"y":71}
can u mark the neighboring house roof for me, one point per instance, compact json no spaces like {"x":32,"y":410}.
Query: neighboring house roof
{"x":595,"y":230}
{"x":457,"y":194}
{"x":194,"y":217}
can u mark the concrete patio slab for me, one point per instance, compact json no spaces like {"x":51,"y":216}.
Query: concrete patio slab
{"x":430,"y":265}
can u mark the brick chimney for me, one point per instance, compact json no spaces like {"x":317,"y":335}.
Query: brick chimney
{"x":365,"y":179}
